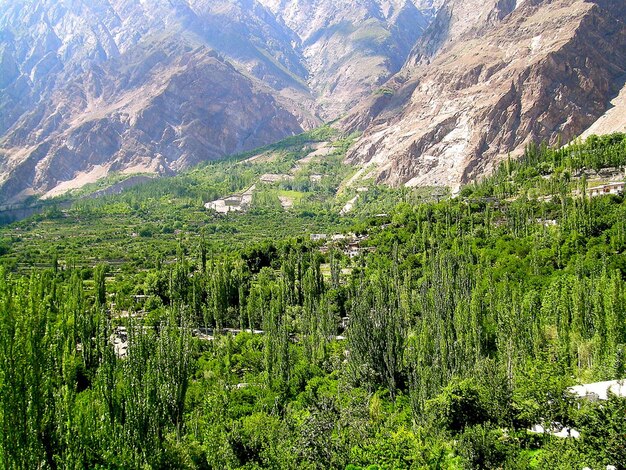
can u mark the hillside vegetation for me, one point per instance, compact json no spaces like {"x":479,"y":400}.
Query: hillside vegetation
{"x":141,"y":331}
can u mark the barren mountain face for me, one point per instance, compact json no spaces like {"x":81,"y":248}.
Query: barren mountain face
{"x":441,"y":89}
{"x":351,"y":47}
{"x":125,"y":85}
{"x":531,"y":71}
{"x":89,"y":87}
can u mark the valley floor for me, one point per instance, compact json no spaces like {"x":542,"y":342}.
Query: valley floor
{"x":141,"y":330}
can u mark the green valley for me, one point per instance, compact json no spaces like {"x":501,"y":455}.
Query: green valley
{"x":415,"y":330}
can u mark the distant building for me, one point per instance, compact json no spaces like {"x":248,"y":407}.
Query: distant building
{"x":223,"y":206}
{"x":592,"y":392}
{"x":318,"y":236}
{"x":606,"y":189}
{"x":556,"y":431}
{"x":600,"y":390}
{"x":234,"y":203}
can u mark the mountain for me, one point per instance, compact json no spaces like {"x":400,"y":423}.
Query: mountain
{"x":90,"y":87}
{"x":455,"y":20}
{"x":353,"y":47}
{"x":476,"y":88}
{"x":98,"y":123}
{"x":440,"y":89}
{"x":93,"y":87}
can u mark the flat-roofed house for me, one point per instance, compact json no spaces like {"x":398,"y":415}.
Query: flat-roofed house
{"x":607,"y":189}
{"x":600,"y":390}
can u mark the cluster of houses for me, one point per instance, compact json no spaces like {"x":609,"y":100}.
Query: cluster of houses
{"x":614,"y":187}
{"x":350,"y":244}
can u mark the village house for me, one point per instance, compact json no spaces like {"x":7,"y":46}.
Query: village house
{"x":592,"y":392}
{"x":606,"y":189}
{"x":600,"y":390}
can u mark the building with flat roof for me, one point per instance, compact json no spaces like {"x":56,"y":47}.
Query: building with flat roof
{"x":606,"y":189}
{"x":600,"y":390}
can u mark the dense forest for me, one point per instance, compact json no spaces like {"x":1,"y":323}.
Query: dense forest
{"x":431,"y":336}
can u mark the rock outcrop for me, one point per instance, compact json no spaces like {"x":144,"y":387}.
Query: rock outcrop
{"x":93,"y":86}
{"x":518,"y":72}
{"x":352,"y":47}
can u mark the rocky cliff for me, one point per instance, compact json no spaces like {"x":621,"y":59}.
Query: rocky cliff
{"x":93,"y":86}
{"x":352,"y":47}
{"x":517,"y":72}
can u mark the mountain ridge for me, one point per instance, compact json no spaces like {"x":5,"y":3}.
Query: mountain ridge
{"x":548,"y":71}
{"x":57,"y":57}
{"x":441,"y":89}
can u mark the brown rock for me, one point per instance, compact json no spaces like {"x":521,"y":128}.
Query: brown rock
{"x":545,"y":71}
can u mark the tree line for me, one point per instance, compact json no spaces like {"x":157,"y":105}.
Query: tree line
{"x":439,"y":347}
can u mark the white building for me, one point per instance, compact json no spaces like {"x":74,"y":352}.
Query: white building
{"x":594,"y":391}
{"x":600,"y":390}
{"x":606,"y":189}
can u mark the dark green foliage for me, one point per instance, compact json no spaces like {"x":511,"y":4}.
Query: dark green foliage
{"x":458,"y":406}
{"x":482,"y":447}
{"x":377,"y":330}
{"x":603,"y":428}
{"x":468,"y":319}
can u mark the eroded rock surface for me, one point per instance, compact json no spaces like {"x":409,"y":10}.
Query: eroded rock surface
{"x":544,"y":71}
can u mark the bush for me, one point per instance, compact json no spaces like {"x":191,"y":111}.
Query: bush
{"x":481,"y":447}
{"x":458,"y":406}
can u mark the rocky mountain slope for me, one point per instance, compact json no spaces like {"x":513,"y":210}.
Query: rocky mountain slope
{"x":516,"y":72}
{"x":352,"y":47}
{"x":97,"y":124}
{"x":441,"y":89}
{"x":93,"y":86}
{"x":90,"y":87}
